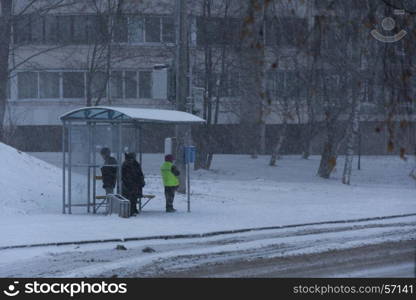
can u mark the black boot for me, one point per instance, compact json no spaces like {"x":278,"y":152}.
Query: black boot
{"x":170,"y":209}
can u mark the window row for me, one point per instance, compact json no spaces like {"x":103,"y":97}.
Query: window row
{"x":136,"y":29}
{"x":89,"y":29}
{"x":282,"y":31}
{"x":79,"y":84}
{"x":218,"y":31}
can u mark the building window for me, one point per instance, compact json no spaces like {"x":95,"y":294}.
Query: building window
{"x":145,"y":84}
{"x":120,"y":29}
{"x":27,"y":83}
{"x":73,"y":84}
{"x":150,"y":29}
{"x":51,"y":29}
{"x":99,"y":85}
{"x":168,"y":30}
{"x":36,"y":28}
{"x":22,"y":30}
{"x":218,"y":31}
{"x":79,"y":29}
{"x":131,"y":84}
{"x":136,"y":29}
{"x":153,"y":29}
{"x":116,"y":84}
{"x":65,"y":29}
{"x":49,"y":84}
{"x":209,"y":31}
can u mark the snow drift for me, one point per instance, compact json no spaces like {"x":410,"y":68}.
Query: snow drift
{"x":27,"y":184}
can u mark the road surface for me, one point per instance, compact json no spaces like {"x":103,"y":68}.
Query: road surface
{"x":384,"y":248}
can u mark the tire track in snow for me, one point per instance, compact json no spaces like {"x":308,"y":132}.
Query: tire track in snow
{"x":207,"y":234}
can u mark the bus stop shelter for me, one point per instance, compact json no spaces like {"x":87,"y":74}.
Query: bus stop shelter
{"x":89,"y":129}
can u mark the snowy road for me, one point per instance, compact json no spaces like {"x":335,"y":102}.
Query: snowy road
{"x":377,"y":248}
{"x":390,"y":259}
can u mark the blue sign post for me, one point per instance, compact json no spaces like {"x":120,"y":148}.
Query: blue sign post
{"x":190,"y":153}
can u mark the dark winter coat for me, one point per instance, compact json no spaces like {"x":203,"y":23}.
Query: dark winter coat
{"x":132,"y":178}
{"x":109,"y":174}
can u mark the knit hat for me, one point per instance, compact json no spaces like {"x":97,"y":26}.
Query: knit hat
{"x":169,"y":157}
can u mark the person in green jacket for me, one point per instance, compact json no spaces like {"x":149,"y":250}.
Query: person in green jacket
{"x":170,"y":181}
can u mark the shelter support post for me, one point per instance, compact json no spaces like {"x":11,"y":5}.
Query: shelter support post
{"x":70,"y":168}
{"x":119,"y":157}
{"x":94,"y":170}
{"x":188,"y":185}
{"x":140,"y":146}
{"x":359,"y":150}
{"x":89,"y":167}
{"x":63,"y":169}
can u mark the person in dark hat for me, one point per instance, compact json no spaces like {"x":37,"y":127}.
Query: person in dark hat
{"x":170,"y":181}
{"x":108,"y":171}
{"x":133,"y":181}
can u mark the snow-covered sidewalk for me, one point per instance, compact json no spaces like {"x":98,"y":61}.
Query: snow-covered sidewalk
{"x":238,"y":193}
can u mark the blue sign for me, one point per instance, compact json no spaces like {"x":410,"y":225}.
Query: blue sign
{"x":190,"y":152}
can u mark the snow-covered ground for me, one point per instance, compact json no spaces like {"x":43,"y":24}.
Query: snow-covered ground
{"x":239,"y":192}
{"x":27,"y":185}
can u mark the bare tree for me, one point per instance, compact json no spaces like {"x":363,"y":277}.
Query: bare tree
{"x":216,"y":44}
{"x":10,"y":12}
{"x":359,"y":58}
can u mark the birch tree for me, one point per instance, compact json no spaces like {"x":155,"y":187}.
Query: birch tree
{"x":286,"y":33}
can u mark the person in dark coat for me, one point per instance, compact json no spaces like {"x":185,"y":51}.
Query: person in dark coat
{"x":108,"y":171}
{"x":132,"y":181}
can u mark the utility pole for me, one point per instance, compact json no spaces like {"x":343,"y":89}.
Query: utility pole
{"x":183,"y":132}
{"x":181,"y":61}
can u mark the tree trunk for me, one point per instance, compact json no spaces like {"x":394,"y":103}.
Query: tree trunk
{"x":262,"y":138}
{"x":328,"y":160}
{"x":5,"y":38}
{"x":353,"y":132}
{"x":306,"y":148}
{"x":277,"y":148}
{"x":252,"y":60}
{"x":203,"y":149}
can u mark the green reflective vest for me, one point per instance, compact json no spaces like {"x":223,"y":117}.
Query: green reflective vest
{"x":169,"y":179}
